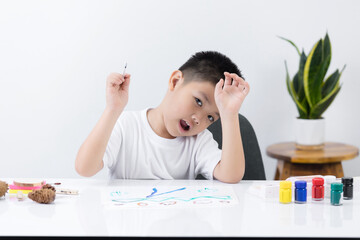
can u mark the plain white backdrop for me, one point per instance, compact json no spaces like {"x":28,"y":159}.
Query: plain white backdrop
{"x":55,"y":57}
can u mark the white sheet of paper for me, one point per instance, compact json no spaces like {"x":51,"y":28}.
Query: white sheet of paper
{"x":168,"y":196}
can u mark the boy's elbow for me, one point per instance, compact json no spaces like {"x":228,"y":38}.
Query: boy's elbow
{"x":237,"y":176}
{"x":235,"y":179}
{"x":82,"y":170}
{"x":228,"y":176}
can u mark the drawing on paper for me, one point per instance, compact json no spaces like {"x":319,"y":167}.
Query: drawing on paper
{"x":169,"y":196}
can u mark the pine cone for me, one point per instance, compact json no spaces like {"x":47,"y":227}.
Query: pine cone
{"x":42,"y":195}
{"x":48,"y":186}
{"x":3,"y":188}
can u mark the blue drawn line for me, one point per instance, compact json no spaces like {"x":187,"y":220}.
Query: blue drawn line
{"x":131,"y":200}
{"x":154,"y":189}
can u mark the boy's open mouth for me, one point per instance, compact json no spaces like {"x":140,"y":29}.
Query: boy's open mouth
{"x":184,"y":125}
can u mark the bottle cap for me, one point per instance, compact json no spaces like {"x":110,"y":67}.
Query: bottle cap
{"x":300,"y":184}
{"x":285,"y":184}
{"x":318,"y":181}
{"x":329,"y":179}
{"x":347,"y":180}
{"x":336,"y":186}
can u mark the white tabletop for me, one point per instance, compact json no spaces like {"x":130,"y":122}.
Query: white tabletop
{"x":85,"y":215}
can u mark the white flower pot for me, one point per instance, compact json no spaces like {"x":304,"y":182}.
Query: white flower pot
{"x":310,"y":133}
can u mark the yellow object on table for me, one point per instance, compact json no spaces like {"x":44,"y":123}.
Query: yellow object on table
{"x":285,"y":191}
{"x":19,"y":190}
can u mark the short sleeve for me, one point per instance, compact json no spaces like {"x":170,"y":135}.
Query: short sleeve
{"x":113,"y":146}
{"x":207,"y":154}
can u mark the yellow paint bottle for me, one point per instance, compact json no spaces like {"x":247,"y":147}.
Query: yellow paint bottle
{"x":285,"y":191}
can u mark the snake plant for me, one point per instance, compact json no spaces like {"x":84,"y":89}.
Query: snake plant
{"x":310,"y":90}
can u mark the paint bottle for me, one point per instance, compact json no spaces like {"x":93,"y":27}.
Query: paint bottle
{"x":336,"y":192}
{"x":300,"y":192}
{"x":285,"y":191}
{"x":318,"y":189}
{"x":328,"y":180}
{"x":348,"y":187}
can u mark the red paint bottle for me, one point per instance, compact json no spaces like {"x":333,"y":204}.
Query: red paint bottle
{"x":318,"y":189}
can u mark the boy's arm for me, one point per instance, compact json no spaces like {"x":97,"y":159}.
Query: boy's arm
{"x":89,"y":159}
{"x":229,"y":98}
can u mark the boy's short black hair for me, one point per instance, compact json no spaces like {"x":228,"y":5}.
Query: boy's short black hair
{"x":208,"y":66}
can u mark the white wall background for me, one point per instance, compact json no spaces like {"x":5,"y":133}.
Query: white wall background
{"x":55,"y":57}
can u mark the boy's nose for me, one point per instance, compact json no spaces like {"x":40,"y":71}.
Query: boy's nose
{"x":196,"y":120}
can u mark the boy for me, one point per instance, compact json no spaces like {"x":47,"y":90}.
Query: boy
{"x":171,"y":141}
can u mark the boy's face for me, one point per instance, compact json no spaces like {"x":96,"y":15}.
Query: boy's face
{"x":190,"y":107}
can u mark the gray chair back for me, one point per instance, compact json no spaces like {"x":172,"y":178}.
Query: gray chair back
{"x":254,"y":167}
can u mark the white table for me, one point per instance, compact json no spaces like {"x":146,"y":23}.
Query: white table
{"x":85,"y":215}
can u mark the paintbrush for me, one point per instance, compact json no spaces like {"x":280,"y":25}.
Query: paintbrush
{"x":124,"y":70}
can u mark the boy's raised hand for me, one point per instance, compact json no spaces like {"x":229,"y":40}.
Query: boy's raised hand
{"x":229,"y":95}
{"x":117,"y":91}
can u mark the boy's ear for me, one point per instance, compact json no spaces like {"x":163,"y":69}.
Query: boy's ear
{"x":176,"y":78}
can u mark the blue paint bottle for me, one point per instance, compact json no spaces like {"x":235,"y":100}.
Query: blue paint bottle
{"x":300,"y":192}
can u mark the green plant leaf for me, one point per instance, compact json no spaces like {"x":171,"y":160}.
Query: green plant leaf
{"x":321,"y":75}
{"x":297,"y":49}
{"x":327,"y":49}
{"x":313,"y":65}
{"x":305,"y":104}
{"x":321,"y":106}
{"x":301,"y":109}
{"x":296,"y":83}
{"x":330,"y":83}
{"x":300,"y":91}
{"x":325,"y":62}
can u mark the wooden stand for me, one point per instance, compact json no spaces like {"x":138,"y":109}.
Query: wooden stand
{"x":295,"y":162}
{"x":310,"y":147}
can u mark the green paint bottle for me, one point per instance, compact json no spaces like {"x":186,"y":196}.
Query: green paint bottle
{"x":336,"y":193}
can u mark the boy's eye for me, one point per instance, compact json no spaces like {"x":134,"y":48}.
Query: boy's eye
{"x":198,"y":101}
{"x":211,"y":118}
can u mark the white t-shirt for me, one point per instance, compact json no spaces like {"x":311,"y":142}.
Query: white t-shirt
{"x":135,"y":151}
